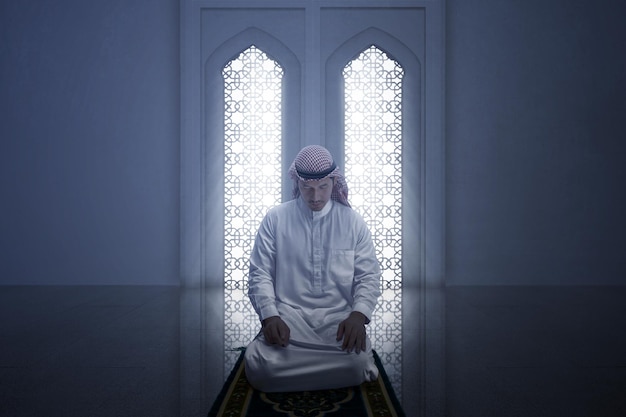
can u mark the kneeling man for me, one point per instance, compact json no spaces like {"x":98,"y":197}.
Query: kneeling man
{"x":314,"y":281}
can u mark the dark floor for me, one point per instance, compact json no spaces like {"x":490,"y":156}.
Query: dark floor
{"x":158,"y":351}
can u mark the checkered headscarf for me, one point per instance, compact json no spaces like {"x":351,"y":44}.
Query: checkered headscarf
{"x":315,"y":163}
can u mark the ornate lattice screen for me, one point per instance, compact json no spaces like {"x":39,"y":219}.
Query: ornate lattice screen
{"x":373,"y":165}
{"x":252,"y":179}
{"x":373,"y":152}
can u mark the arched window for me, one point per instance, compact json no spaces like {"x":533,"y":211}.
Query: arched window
{"x":373,"y":165}
{"x":315,"y":46}
{"x":252,"y":177}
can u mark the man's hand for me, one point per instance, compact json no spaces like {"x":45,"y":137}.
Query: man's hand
{"x":352,"y":330}
{"x":276,"y":331}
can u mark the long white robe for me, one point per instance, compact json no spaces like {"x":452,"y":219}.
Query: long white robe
{"x":312,"y":269}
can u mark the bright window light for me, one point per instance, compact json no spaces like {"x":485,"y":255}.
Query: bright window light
{"x":373,"y":152}
{"x":252,"y":179}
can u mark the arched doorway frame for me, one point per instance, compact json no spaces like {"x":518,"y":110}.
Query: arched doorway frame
{"x":201,"y":267}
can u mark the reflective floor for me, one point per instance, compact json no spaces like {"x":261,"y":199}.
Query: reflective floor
{"x":159,"y":351}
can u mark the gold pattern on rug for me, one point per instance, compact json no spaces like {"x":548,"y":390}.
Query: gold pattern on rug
{"x":308,"y":403}
{"x":377,"y":399}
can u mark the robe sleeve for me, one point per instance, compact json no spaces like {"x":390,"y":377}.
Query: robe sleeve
{"x":367,"y":273}
{"x":262,"y":271}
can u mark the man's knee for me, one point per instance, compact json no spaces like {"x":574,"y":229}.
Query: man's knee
{"x":258,"y":371}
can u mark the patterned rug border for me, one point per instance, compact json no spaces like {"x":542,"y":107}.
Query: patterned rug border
{"x":386,"y":387}
{"x":236,"y":394}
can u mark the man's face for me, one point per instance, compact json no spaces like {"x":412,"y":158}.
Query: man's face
{"x":316,"y":193}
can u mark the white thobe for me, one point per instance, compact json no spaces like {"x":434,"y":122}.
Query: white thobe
{"x":312,"y":269}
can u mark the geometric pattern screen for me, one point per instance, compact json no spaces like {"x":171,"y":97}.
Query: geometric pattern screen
{"x":252,"y":180}
{"x":253,"y":171}
{"x":373,"y":165}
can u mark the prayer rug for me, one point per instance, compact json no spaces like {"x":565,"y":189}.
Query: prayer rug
{"x":239,"y":399}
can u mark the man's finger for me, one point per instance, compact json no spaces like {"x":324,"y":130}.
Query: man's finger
{"x":346,"y":339}
{"x":350,"y":340}
{"x":340,"y":331}
{"x":273,"y":335}
{"x":283,"y":334}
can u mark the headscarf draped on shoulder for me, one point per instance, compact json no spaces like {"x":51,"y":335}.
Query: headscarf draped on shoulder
{"x":313,"y":163}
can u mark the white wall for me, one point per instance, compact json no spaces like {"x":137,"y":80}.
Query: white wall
{"x":536,"y":142}
{"x":89,"y":128}
{"x":89,"y":134}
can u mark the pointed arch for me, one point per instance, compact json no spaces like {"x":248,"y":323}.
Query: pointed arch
{"x":412,"y":218}
{"x":225,"y":267}
{"x":412,"y":132}
{"x":252,"y":145}
{"x":211,"y":156}
{"x":373,"y":145}
{"x":349,"y":50}
{"x":205,"y":27}
{"x":214,"y":89}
